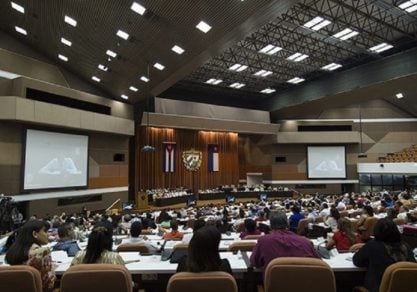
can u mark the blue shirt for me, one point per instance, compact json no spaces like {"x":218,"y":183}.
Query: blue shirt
{"x":294,"y":219}
{"x":70,"y":246}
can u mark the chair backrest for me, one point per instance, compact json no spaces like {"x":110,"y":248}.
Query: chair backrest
{"x":20,"y":278}
{"x":181,"y":246}
{"x":140,"y":247}
{"x":202,"y":282}
{"x":399,"y":221}
{"x":302,"y":226}
{"x":344,"y":213}
{"x":368,"y":227}
{"x":284,"y":274}
{"x":319,"y":219}
{"x":96,"y":277}
{"x":244,"y":245}
{"x":399,"y":277}
{"x":252,"y":236}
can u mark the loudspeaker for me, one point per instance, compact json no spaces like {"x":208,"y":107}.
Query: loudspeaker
{"x":120,"y":157}
{"x":142,"y":200}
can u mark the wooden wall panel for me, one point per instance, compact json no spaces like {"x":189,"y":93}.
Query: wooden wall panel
{"x":149,"y":166}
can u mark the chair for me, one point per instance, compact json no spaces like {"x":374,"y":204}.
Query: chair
{"x":284,"y":274}
{"x":399,"y":221}
{"x":344,"y":213}
{"x":367,"y":229}
{"x":140,"y":247}
{"x":252,"y":236}
{"x":20,"y":278}
{"x":244,"y":245}
{"x":202,"y":282}
{"x":399,"y":277}
{"x":96,"y":277}
{"x":302,"y":226}
{"x":180,"y":246}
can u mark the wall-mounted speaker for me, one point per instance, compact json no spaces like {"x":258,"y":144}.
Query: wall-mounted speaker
{"x":119,"y":157}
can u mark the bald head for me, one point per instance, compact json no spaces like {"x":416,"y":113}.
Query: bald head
{"x":278,"y":220}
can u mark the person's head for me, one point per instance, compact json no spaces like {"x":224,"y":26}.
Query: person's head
{"x":66,"y":232}
{"x":391,"y":213}
{"x":174,"y":225}
{"x":325,"y":206}
{"x":127,"y":217}
{"x":198,"y":224}
{"x":100,"y":239}
{"x":32,"y":232}
{"x":278,"y":220}
{"x":135,"y":229}
{"x":386,"y":231}
{"x":250,"y":225}
{"x":203,"y":250}
{"x":368,"y":210}
{"x":334,"y":213}
{"x":295,"y":209}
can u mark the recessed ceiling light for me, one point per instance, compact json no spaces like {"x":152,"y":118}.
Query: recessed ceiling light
{"x":159,"y":66}
{"x":295,"y":80}
{"x":238,"y":67}
{"x":70,"y":21}
{"x":399,"y":95}
{"x":237,"y":85}
{"x":297,"y":57}
{"x":204,"y":27}
{"x":102,"y":67}
{"x":144,"y":79}
{"x":66,"y":42}
{"x":177,"y":49}
{"x":409,"y":6}
{"x":17,"y":7}
{"x":122,"y":34}
{"x":111,"y":53}
{"x":63,"y":58}
{"x":124,"y":96}
{"x":96,"y":79}
{"x":345,"y":34}
{"x":331,"y":67}
{"x":138,"y":8}
{"x":317,"y":23}
{"x":268,"y":90}
{"x":133,"y":88}
{"x":381,"y":47}
{"x":20,"y":30}
{"x":270,"y":49}
{"x":214,"y":81}
{"x":263,"y":73}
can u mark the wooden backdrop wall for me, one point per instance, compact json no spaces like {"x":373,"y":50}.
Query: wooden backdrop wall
{"x":149,"y":166}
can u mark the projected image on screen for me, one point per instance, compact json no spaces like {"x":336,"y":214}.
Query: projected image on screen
{"x":55,"y":160}
{"x":326,"y":162}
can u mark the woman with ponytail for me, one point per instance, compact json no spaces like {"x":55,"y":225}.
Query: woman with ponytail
{"x":344,"y":237}
{"x":99,"y":247}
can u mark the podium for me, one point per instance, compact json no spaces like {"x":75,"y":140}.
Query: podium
{"x":141,"y":200}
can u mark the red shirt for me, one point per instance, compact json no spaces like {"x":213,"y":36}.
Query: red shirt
{"x":343,"y":242}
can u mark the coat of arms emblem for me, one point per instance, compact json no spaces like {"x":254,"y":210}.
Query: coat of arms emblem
{"x":192,"y":159}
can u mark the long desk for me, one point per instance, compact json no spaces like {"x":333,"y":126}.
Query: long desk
{"x":172,"y":200}
{"x":251,"y":194}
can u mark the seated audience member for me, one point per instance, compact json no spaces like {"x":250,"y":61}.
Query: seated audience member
{"x":196,"y":226}
{"x":324,"y":210}
{"x":164,"y":219}
{"x":66,"y":240}
{"x":7,"y":241}
{"x":135,"y":231}
{"x":280,"y":243}
{"x":125,"y":225}
{"x":261,"y":216}
{"x":99,"y":247}
{"x":295,"y":218}
{"x":174,"y":234}
{"x":376,"y":255}
{"x":367,"y":212}
{"x":148,"y":222}
{"x":391,"y":213}
{"x":203,"y":253}
{"x":312,"y":214}
{"x":250,"y":229}
{"x":344,"y":237}
{"x":331,"y":221}
{"x":28,"y":250}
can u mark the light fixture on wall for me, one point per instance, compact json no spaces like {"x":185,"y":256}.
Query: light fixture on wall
{"x":361,"y":153}
{"x":147,"y":147}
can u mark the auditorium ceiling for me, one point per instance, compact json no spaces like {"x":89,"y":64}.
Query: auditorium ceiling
{"x":256,"y":53}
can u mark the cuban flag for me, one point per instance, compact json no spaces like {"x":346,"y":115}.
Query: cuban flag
{"x":169,"y":156}
{"x":213,"y":157}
